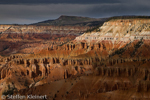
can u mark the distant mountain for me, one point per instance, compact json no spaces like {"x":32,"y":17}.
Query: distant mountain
{"x":73,"y":21}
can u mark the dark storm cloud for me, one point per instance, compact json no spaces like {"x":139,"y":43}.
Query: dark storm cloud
{"x":25,"y":12}
{"x":56,"y":1}
{"x":119,"y":9}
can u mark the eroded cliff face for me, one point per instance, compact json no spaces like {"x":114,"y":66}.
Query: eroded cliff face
{"x":119,"y":30}
{"x":112,"y":64}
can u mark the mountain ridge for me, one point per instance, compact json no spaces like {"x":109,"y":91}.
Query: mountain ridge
{"x":64,"y":20}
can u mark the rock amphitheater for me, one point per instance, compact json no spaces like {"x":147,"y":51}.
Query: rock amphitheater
{"x":109,"y":63}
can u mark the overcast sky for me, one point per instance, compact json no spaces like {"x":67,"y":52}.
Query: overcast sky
{"x":31,"y":11}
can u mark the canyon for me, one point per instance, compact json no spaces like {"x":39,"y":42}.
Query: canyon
{"x":32,"y":38}
{"x":110,"y":62}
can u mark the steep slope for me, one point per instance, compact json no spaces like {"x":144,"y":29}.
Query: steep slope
{"x":120,"y":30}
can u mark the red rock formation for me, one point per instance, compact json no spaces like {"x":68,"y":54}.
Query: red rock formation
{"x":86,"y":69}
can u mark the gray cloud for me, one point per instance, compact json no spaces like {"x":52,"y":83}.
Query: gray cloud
{"x":57,"y":1}
{"x":25,"y":14}
{"x":36,"y":13}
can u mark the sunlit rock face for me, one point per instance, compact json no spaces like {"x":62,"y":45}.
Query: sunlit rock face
{"x":120,"y":30}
